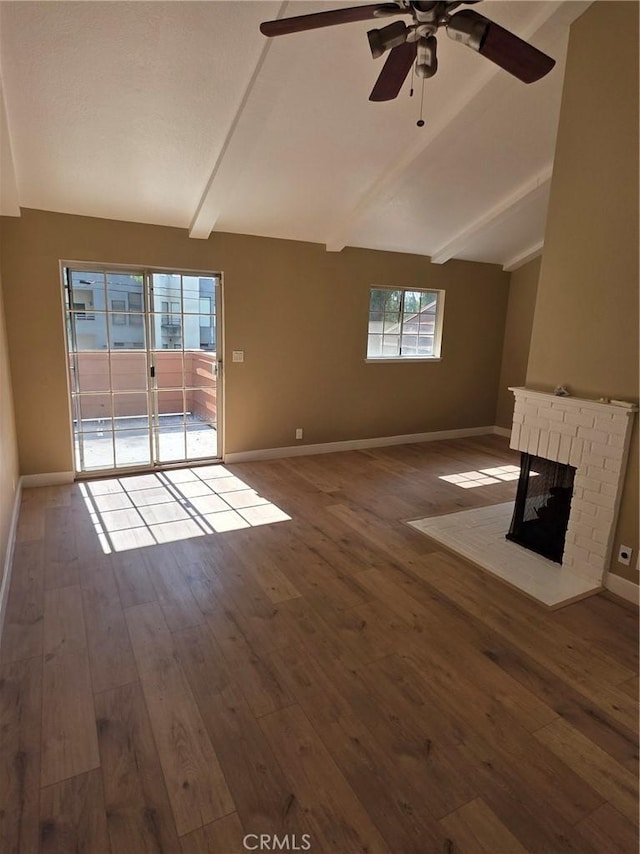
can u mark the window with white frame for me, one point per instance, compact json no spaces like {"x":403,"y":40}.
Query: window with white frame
{"x":404,"y":323}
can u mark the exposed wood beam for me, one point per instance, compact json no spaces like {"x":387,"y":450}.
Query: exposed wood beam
{"x":507,"y":205}
{"x":524,"y":257}
{"x":550,"y":16}
{"x":260,"y":94}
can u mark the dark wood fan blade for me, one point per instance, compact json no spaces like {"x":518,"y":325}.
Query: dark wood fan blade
{"x":394,"y":72}
{"x":516,"y":56}
{"x":284,"y":26}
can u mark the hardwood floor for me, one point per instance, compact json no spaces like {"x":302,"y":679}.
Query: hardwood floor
{"x":332,"y":678}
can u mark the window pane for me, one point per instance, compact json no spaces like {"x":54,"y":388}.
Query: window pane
{"x":132,"y":447}
{"x":169,"y":371}
{"x":425,"y":345}
{"x":165,"y":287}
{"x":89,"y":330}
{"x":377,"y":299}
{"x":410,"y":322}
{"x":427,"y":298}
{"x":199,"y":369}
{"x":94,"y":412}
{"x":409,"y":345}
{"x":412,"y":301}
{"x":121,"y":285}
{"x":374,"y":346}
{"x":391,"y":345}
{"x":191,"y":294}
{"x":201,"y":441}
{"x":392,"y":323}
{"x":207,"y":289}
{"x":171,"y":443}
{"x":87,"y":291}
{"x":97,"y":449}
{"x":206,"y":333}
{"x":128,"y":371}
{"x":393,"y":300}
{"x":130,"y":411}
{"x":375,"y":322}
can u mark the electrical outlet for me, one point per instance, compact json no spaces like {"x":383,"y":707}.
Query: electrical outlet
{"x":298,"y":432}
{"x":624,"y":555}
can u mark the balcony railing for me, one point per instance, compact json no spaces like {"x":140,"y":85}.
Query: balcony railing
{"x":172,"y":320}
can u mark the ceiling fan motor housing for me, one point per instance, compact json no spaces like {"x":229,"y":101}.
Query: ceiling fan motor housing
{"x":427,"y":59}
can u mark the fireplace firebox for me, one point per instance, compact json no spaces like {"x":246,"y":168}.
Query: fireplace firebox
{"x":542,"y":508}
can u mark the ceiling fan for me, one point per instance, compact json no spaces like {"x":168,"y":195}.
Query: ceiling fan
{"x":417,"y":43}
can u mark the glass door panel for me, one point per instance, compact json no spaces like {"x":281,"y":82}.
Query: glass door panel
{"x":143,"y":367}
{"x":108,"y":357}
{"x":184,"y":325}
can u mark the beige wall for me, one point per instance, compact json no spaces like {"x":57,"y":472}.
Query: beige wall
{"x":298,"y":312}
{"x":523,"y":288}
{"x":8,"y":447}
{"x":585,"y":331}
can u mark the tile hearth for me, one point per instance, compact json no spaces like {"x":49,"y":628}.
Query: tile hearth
{"x":479,"y":536}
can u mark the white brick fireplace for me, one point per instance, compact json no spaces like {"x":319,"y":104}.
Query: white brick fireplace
{"x":594,"y":437}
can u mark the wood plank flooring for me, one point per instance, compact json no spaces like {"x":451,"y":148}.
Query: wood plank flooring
{"x":334,"y":678}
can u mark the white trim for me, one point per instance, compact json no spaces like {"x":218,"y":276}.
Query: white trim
{"x":523,"y":257}
{"x":354,"y":444}
{"x":400,"y":359}
{"x":502,"y":431}
{"x":53,"y":478}
{"x":535,"y":185}
{"x":622,"y":587}
{"x":8,"y":558}
{"x":259,"y":99}
{"x":581,"y":402}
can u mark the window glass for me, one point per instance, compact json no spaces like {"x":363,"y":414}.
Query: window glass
{"x":404,"y":323}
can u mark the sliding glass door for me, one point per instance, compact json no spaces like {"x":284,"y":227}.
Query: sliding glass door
{"x":144,"y":367}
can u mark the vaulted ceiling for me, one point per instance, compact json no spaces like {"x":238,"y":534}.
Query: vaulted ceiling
{"x":183,"y":114}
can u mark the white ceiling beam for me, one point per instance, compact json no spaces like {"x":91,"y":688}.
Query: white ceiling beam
{"x":550,"y":16}
{"x":505,"y":206}
{"x":524,"y":257}
{"x":255,"y":106}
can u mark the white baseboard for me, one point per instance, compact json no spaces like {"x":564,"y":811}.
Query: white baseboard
{"x":354,"y":444}
{"x":623,"y":588}
{"x":502,"y":431}
{"x":8,"y":558}
{"x":54,"y":478}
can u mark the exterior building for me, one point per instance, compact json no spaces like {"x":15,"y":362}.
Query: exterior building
{"x":108,"y":312}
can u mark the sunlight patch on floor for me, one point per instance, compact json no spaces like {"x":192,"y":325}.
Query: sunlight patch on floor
{"x":163,"y":507}
{"x":483,"y":477}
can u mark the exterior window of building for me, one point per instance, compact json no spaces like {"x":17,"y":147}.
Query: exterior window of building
{"x":118,"y":305}
{"x":135,"y":305}
{"x":404,"y":323}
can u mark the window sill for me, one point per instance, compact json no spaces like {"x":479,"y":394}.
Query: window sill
{"x":403,"y":360}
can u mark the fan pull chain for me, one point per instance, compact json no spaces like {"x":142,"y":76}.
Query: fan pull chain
{"x":412,"y":72}
{"x":420,"y":122}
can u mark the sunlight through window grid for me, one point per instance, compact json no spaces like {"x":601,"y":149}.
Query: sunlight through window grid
{"x":483,"y":477}
{"x":146,"y":510}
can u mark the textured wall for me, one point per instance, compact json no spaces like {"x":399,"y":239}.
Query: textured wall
{"x":298,"y":312}
{"x":585,"y":330}
{"x":523,"y":288}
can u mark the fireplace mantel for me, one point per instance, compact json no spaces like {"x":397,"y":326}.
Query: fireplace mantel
{"x":593,"y":436}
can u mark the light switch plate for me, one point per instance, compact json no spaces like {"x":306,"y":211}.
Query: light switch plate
{"x":237,"y":356}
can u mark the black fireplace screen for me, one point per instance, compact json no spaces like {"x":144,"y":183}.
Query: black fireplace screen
{"x":543,"y":504}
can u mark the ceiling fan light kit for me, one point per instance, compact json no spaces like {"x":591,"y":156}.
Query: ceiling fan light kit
{"x":417,"y":43}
